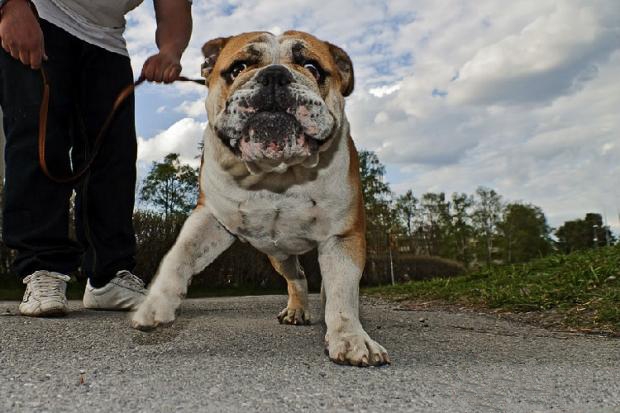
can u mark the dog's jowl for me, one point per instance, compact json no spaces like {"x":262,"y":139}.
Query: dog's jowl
{"x":280,"y":171}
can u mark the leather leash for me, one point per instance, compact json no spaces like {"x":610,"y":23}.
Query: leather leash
{"x":43,"y":114}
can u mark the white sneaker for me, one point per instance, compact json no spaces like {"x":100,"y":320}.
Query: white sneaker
{"x":125,"y":292}
{"x":45,"y":294}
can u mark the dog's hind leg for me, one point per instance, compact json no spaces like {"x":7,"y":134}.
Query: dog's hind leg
{"x":296,"y":311}
{"x":201,"y":240}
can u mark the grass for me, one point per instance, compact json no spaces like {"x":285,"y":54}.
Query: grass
{"x":579,"y":291}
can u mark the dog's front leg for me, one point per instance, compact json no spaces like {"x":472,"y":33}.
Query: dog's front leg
{"x":200,"y":241}
{"x":342,"y":261}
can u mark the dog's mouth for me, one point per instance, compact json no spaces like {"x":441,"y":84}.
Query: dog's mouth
{"x":275,"y":136}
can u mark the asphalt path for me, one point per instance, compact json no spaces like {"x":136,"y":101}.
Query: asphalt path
{"x":231,"y":355}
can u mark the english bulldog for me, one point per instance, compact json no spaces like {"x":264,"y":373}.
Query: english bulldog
{"x":280,"y":171}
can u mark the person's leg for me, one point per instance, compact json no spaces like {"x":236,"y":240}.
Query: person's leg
{"x":105,"y":200}
{"x":36,"y":210}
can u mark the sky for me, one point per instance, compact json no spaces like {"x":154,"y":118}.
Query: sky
{"x":522,"y":97}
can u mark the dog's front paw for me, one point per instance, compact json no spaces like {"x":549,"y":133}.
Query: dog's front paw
{"x":295,"y":316}
{"x":355,"y":348}
{"x":153,"y":312}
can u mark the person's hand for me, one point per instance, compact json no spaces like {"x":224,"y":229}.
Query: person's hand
{"x":21,"y":33}
{"x":162,"y":67}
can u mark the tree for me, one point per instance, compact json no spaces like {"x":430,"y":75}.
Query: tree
{"x":170,"y":186}
{"x":581,"y":234}
{"x":380,"y":216}
{"x":406,"y":210}
{"x":486,"y":216}
{"x":524,"y":233}
{"x":408,"y":214}
{"x":435,"y":220}
{"x":377,"y":194}
{"x":460,"y":227}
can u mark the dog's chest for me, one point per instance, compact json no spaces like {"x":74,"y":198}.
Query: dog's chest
{"x":277,"y":224}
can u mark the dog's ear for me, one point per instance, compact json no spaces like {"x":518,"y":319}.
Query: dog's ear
{"x":345,"y":68}
{"x":211,"y":50}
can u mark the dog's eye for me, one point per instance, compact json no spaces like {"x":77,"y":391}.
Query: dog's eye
{"x":236,"y":69}
{"x":314,"y":69}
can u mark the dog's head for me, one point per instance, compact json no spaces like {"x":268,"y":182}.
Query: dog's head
{"x":276,"y":101}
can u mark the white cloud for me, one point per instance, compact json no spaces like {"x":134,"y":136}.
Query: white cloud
{"x":562,"y":157}
{"x":183,"y":137}
{"x":385,"y":90}
{"x":550,"y":56}
{"x":195,"y":108}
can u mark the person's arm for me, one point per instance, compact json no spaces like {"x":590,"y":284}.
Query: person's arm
{"x":21,"y":33}
{"x":174,"y":29}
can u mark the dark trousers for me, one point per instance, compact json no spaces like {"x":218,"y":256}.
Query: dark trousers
{"x":85,"y":80}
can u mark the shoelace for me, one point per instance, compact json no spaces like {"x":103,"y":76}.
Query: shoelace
{"x":46,"y":284}
{"x":131,"y":279}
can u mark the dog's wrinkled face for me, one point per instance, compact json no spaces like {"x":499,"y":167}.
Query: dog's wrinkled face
{"x":276,"y":101}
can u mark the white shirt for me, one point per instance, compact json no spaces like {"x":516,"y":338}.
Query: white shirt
{"x":98,"y":22}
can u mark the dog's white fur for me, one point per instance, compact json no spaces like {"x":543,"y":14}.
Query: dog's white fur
{"x":283,"y":213}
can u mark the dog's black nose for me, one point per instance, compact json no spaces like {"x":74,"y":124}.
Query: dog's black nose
{"x":274,"y":75}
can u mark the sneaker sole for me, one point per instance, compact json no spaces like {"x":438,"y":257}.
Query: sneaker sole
{"x":52,"y":313}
